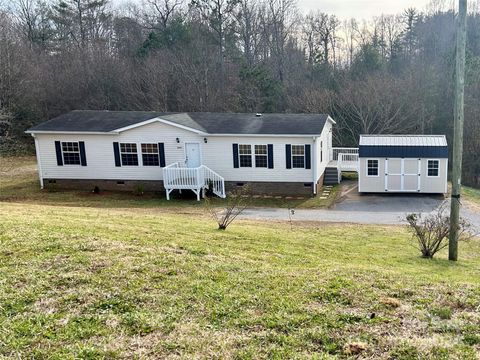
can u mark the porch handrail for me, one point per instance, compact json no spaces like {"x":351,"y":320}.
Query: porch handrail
{"x":348,"y":162}
{"x":178,"y":176}
{"x":217,"y":181}
{"x":343,"y":150}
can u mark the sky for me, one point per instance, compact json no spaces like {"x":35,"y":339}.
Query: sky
{"x":360,"y":9}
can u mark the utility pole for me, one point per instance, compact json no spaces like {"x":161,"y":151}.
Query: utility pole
{"x":458,"y":110}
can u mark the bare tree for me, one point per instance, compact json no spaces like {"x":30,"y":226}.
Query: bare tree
{"x":158,"y":13}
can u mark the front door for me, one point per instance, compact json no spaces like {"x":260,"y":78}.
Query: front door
{"x":192,"y":155}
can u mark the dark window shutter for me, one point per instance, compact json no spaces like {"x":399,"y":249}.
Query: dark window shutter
{"x":270,"y":156}
{"x":161,"y":153}
{"x":235,"y":156}
{"x":116,"y":152}
{"x":83,"y":156}
{"x":288,"y":155}
{"x":308,"y":157}
{"x":58,"y":150}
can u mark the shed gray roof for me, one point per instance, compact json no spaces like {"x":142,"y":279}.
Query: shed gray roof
{"x":403,"y":140}
{"x":210,"y":123}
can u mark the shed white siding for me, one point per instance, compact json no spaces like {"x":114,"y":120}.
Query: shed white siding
{"x":217,"y":154}
{"x":384,"y":183}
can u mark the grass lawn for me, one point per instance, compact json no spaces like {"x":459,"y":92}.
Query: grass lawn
{"x":81,"y":282}
{"x":19,"y":183}
{"x":92,"y":277}
{"x":471,"y":194}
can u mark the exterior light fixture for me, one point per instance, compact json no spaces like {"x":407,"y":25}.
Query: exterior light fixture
{"x":178,"y":140}
{"x":205,"y":140}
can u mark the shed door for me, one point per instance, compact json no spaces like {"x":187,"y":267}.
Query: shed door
{"x":402,"y":175}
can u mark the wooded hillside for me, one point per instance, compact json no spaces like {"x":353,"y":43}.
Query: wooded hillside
{"x":391,"y":74}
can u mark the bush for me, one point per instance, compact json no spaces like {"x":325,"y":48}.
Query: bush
{"x":431,"y":232}
{"x":139,"y":190}
{"x":237,"y":202}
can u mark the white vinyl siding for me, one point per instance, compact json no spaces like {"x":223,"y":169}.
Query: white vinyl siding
{"x":390,"y":171}
{"x":217,"y":154}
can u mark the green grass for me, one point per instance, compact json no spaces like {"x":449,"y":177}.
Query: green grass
{"x":81,"y":282}
{"x":84,"y":280}
{"x":471,"y":194}
{"x":19,"y":183}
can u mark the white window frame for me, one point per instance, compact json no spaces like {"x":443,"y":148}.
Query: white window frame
{"x":71,"y":152}
{"x":150,"y":153}
{"x":121,"y":152}
{"x":378,"y":168}
{"x":240,"y":155}
{"x":255,"y":156}
{"x":292,"y":155}
{"x":438,"y":168}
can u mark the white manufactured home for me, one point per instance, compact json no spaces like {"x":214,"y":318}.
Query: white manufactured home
{"x":403,"y":163}
{"x":275,"y":153}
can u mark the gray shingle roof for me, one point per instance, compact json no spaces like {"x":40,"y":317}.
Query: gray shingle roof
{"x":210,"y":123}
{"x":94,"y":121}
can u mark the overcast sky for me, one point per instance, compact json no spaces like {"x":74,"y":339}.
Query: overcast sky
{"x":360,"y":9}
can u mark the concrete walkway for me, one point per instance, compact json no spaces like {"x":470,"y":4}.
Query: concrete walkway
{"x":366,"y":209}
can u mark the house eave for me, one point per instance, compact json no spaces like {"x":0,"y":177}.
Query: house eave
{"x":33,"y":132}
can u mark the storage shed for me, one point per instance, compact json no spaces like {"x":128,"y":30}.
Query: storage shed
{"x":403,"y":163}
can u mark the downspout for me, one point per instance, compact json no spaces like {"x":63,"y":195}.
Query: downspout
{"x":39,"y":162}
{"x":314,"y":167}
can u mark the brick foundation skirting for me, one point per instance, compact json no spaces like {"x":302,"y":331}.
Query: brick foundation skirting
{"x":256,"y":187}
{"x":109,"y":185}
{"x":273,"y":188}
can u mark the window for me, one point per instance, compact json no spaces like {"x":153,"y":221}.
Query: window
{"x":433,"y":167}
{"x":321,"y":151}
{"x":298,"y":156}
{"x":245,"y":155}
{"x":261,"y":158}
{"x":71,"y":153}
{"x":128,"y":153}
{"x":150,"y":155}
{"x":372,"y":167}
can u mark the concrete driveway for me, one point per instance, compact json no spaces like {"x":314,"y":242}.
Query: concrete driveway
{"x":367,"y":209}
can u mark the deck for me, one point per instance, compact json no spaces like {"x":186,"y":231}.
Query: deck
{"x":344,"y":159}
{"x":177,"y":176}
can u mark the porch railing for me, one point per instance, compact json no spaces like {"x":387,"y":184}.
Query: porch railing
{"x":341,"y":150}
{"x":178,"y":177}
{"x":348,"y":162}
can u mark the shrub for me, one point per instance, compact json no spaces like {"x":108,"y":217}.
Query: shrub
{"x":431,"y":231}
{"x":237,"y":201}
{"x":139,"y":190}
